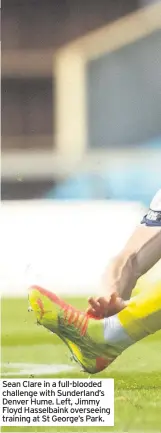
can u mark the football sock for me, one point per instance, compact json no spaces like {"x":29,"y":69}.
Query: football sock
{"x":139,"y":319}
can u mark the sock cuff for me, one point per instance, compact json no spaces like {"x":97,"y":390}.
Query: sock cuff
{"x":115,"y":334}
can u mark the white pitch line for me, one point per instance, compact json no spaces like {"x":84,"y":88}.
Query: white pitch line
{"x":35,"y":369}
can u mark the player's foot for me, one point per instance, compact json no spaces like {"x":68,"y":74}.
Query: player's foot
{"x":83,"y":334}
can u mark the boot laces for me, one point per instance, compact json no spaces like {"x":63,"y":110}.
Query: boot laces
{"x":76,"y":318}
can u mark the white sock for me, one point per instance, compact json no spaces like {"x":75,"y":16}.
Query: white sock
{"x":115,"y":334}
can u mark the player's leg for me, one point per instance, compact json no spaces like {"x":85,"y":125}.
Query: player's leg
{"x":140,"y":318}
{"x":143,"y":314}
{"x":96,"y":343}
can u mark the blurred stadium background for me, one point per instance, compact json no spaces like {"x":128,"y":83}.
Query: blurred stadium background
{"x":81,"y":134}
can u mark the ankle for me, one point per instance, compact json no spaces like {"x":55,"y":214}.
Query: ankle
{"x":115,"y":334}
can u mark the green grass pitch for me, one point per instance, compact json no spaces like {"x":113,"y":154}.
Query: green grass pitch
{"x":28,"y":349}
